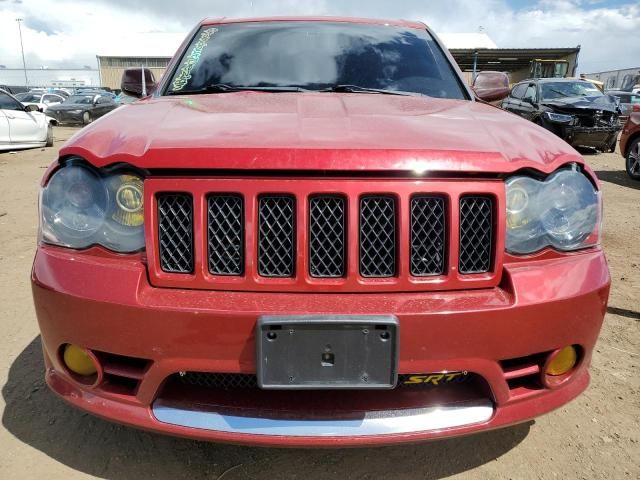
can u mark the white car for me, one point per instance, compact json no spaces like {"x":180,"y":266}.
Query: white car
{"x":22,"y":127}
{"x":40,"y":99}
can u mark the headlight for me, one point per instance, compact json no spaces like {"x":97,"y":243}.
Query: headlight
{"x":558,"y":117}
{"x":562,"y":212}
{"x":80,"y":208}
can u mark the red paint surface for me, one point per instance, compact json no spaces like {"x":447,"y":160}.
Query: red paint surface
{"x":107,"y":304}
{"x":630,"y":132}
{"x":319,"y":131}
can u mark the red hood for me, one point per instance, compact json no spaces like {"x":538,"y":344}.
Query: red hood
{"x":318,"y":131}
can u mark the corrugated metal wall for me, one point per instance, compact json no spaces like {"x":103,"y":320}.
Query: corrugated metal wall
{"x":111,"y":68}
{"x":111,"y":76}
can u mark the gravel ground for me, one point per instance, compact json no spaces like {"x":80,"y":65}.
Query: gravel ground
{"x":596,"y":436}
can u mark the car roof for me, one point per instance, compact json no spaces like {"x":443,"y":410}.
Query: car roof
{"x":369,"y":21}
{"x":561,"y":80}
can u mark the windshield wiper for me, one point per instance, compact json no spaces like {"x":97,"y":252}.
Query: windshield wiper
{"x":356,"y":89}
{"x":224,"y":88}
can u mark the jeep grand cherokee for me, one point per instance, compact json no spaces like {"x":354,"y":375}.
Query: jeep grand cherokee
{"x":312,"y":232}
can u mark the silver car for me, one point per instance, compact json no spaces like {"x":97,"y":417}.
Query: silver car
{"x":629,"y":102}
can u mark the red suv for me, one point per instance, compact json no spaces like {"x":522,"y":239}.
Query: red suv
{"x":312,"y":232}
{"x":630,"y":145}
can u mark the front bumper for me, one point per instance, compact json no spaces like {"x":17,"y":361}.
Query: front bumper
{"x":601,"y":138}
{"x":64,"y":116}
{"x":106,"y":304}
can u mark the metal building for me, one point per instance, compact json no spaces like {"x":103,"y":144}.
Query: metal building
{"x":111,"y":68}
{"x":514,"y":61}
{"x":624,"y":79}
{"x":151,"y":50}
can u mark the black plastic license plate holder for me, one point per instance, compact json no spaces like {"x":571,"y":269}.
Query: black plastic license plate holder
{"x":306,"y":352}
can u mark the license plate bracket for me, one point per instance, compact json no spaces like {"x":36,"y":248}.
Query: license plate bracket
{"x":327,"y":352}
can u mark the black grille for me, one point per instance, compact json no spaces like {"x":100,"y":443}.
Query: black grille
{"x":225,"y":239}
{"x":476,"y":234}
{"x":326,"y":236}
{"x":175,"y":232}
{"x":225,"y":381}
{"x":377,"y":236}
{"x":427,"y":236}
{"x":276,"y":236}
{"x":245,"y":381}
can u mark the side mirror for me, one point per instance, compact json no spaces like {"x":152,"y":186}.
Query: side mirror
{"x":530,"y":100}
{"x":138,"y":82}
{"x":491,"y":86}
{"x":31,"y":108}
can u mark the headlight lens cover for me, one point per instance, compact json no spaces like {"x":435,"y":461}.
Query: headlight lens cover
{"x":81,"y":207}
{"x":559,"y":117}
{"x":562,"y":212}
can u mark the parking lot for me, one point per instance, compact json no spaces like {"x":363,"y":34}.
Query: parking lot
{"x":596,"y":436}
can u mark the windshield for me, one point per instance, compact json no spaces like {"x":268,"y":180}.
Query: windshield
{"x":316,"y":56}
{"x":555,"y":90}
{"x":80,"y":99}
{"x":29,"y":97}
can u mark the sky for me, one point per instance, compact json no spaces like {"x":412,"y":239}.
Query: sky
{"x":69,"y":33}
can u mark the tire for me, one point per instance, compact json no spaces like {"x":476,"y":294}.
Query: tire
{"x":49,"y":136}
{"x":86,"y":118}
{"x":632,"y":161}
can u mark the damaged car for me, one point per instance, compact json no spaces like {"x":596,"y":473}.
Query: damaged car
{"x":575,"y":110}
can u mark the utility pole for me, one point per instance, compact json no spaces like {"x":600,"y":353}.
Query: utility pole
{"x":24,"y":65}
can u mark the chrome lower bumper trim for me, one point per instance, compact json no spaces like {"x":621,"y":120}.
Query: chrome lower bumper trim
{"x":373,"y":423}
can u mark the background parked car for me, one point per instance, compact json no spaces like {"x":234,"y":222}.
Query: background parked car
{"x":22,"y":126}
{"x":41,"y":100}
{"x":575,"y":110}
{"x":629,"y":102}
{"x":630,"y":145}
{"x":83,"y":108}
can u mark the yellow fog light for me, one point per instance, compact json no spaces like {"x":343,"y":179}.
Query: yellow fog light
{"x":563,"y":361}
{"x":79,"y":361}
{"x":128,"y":193}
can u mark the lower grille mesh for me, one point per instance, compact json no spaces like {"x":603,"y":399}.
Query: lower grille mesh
{"x":476,"y":234}
{"x":276,"y":236}
{"x":377,"y":236}
{"x":224,"y":381}
{"x":247,"y":381}
{"x":175,"y":232}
